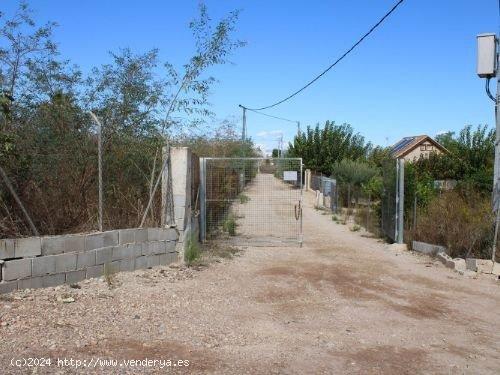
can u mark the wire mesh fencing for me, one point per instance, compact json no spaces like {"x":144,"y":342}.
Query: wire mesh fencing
{"x":253,"y":198}
{"x":58,"y":186}
{"x":329,"y":192}
{"x":349,"y":203}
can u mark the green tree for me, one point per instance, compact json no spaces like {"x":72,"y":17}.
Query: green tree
{"x":48,"y":142}
{"x":469,"y":160}
{"x":353,"y":174}
{"x":321,"y":149}
{"x":24,"y":42}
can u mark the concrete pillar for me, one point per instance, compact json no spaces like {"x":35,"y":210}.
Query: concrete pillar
{"x":164,"y":187}
{"x":181,"y":189}
{"x":308,"y":179}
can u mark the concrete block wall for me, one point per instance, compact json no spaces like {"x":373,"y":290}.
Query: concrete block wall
{"x":426,"y":248}
{"x":38,"y":262}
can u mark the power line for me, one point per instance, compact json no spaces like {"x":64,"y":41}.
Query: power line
{"x":336,"y":62}
{"x":275,"y":117}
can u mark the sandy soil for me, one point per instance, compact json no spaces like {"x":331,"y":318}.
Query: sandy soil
{"x":343,"y":303}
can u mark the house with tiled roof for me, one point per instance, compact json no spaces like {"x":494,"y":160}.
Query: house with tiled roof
{"x":416,"y":147}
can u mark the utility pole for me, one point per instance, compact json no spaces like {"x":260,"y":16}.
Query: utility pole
{"x":298,"y":127}
{"x":280,"y":146}
{"x":488,"y":67}
{"x":496,"y":176}
{"x":244,"y":129}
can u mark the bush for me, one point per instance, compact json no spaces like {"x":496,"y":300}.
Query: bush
{"x":461,"y":221}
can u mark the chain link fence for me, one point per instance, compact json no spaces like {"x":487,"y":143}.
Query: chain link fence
{"x":252,"y":198}
{"x":348,"y":204}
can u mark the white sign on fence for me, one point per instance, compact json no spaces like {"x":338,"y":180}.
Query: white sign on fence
{"x":290,"y":176}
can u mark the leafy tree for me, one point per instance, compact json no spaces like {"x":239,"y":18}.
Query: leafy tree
{"x":127,"y":94}
{"x":469,"y":160}
{"x":220,"y":141}
{"x":353,"y":174}
{"x":321,"y":149}
{"x":20,"y":48}
{"x":374,"y":187}
{"x":48,"y":142}
{"x":378,"y":155}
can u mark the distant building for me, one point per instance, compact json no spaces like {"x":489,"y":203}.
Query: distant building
{"x":416,"y":147}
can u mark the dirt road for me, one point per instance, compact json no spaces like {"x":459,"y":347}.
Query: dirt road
{"x":343,"y":303}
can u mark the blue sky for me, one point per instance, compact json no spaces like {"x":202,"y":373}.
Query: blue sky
{"x":414,"y":75}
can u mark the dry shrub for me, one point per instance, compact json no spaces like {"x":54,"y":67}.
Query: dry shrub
{"x":461,"y":221}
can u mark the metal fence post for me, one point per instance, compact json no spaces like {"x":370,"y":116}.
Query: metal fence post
{"x":301,"y":239}
{"x":415,"y":202}
{"x":203,"y":200}
{"x":368,"y":213}
{"x":99,"y":167}
{"x":400,"y":200}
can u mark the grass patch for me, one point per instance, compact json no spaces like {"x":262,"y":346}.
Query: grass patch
{"x":355,"y":228}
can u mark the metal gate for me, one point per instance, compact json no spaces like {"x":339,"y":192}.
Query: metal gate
{"x":256,"y":201}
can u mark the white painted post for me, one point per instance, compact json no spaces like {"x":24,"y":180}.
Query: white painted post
{"x":164,"y":186}
{"x":180,"y":163}
{"x":308,"y":179}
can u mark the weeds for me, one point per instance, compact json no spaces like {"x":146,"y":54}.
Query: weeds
{"x":460,"y":221}
{"x":243,"y":198}
{"x":220,"y":250}
{"x":193,"y":251}
{"x":229,"y":225}
{"x":208,"y":253}
{"x":109,"y":275}
{"x":355,"y":228}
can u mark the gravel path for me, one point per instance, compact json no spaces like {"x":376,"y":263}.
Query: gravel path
{"x":343,"y":303}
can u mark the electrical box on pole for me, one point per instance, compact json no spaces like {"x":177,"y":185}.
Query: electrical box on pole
{"x":486,"y":55}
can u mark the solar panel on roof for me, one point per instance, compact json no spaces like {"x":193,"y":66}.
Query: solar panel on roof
{"x":402,"y":144}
